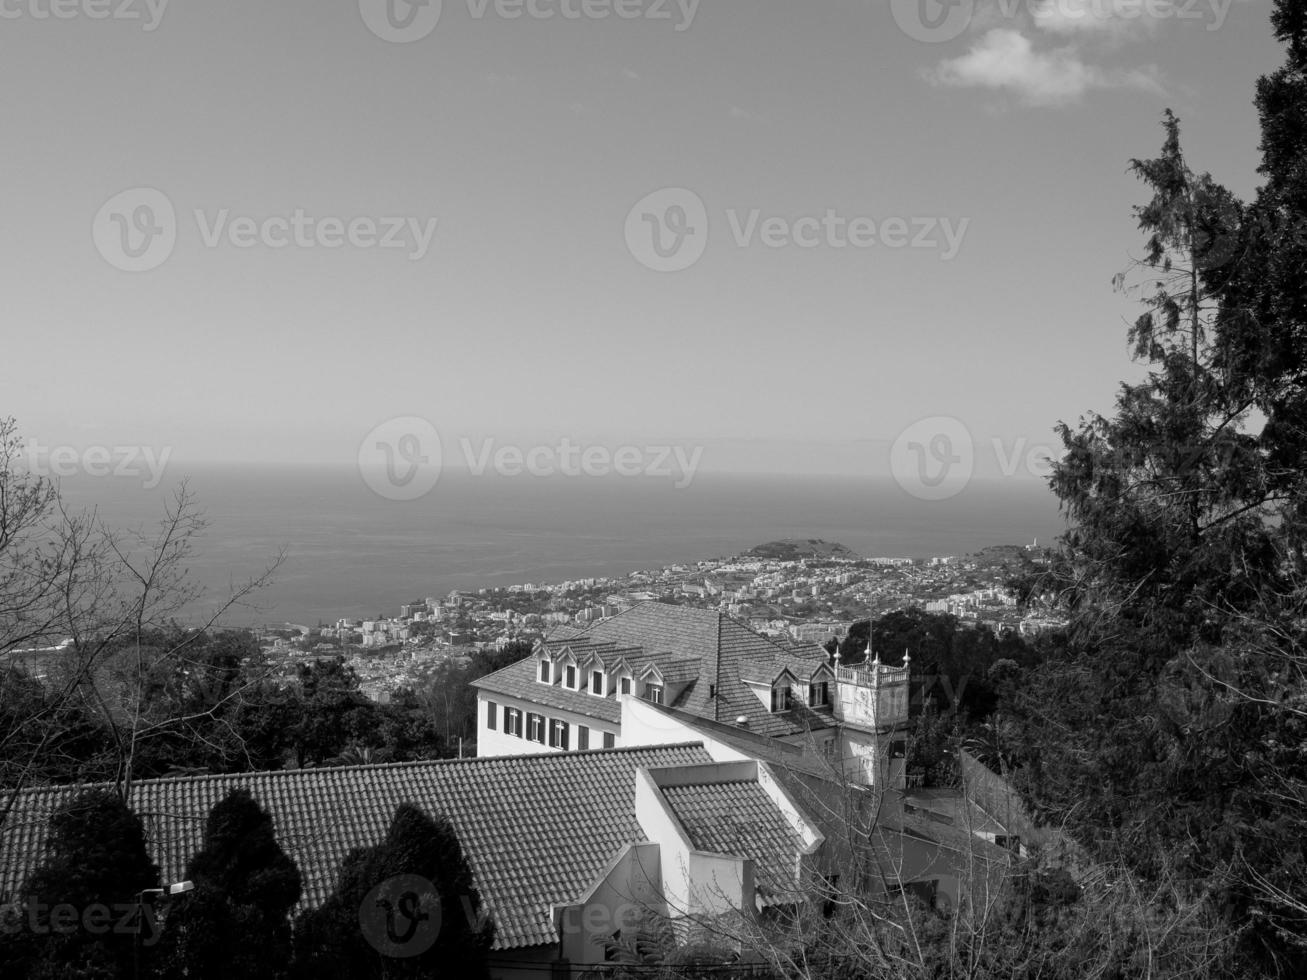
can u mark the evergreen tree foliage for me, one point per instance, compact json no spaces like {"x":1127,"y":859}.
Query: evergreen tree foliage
{"x":235,"y":924}
{"x":1171,"y":735}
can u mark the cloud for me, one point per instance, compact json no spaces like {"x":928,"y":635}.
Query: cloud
{"x":746,"y":116}
{"x":1092,"y":18}
{"x":1005,"y":60}
{"x":1124,"y":20}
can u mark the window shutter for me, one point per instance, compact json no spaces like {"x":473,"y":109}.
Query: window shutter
{"x":491,"y":720}
{"x":582,"y":738}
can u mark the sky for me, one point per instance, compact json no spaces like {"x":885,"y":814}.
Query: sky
{"x":793,"y":236}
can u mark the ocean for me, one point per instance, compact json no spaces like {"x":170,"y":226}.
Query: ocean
{"x":353,"y":554}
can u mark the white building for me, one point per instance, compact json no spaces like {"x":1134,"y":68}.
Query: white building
{"x":571,"y":693}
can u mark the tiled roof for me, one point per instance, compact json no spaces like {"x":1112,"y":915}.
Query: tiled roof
{"x":536,"y":829}
{"x":564,"y":631}
{"x":724,"y":648}
{"x":519,"y":681}
{"x":679,"y":671}
{"x":740,"y":818}
{"x":710,"y":650}
{"x":740,"y":646}
{"x":786,"y":755}
{"x":807,"y":649}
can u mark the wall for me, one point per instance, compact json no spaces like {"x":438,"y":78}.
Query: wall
{"x":694,"y":882}
{"x":496,"y":743}
{"x":627,"y":891}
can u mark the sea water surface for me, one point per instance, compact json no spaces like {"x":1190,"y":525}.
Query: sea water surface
{"x":351,"y":553}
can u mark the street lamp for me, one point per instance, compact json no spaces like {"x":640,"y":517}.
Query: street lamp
{"x":177,"y":888}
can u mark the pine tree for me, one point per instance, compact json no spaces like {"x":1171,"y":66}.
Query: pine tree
{"x":1170,"y":736}
{"x":235,"y":924}
{"x":1262,"y":327}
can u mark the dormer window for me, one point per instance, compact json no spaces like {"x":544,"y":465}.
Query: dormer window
{"x":819,"y":694}
{"x":546,"y":675}
{"x":597,"y":682}
{"x":625,"y":685}
{"x":653,"y":693}
{"x":569,"y":673}
{"x":780,"y":699}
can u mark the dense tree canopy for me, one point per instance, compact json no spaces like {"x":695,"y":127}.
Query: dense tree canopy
{"x":1170,"y":734}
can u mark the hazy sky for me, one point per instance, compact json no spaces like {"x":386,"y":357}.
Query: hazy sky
{"x":532,"y":312}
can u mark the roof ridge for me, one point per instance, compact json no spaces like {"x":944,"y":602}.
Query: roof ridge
{"x":717,"y":671}
{"x":370,"y":767}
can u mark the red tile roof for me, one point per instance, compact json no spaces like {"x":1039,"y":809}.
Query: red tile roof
{"x":519,"y":681}
{"x":537,"y":829}
{"x":740,"y":818}
{"x":684,"y":642}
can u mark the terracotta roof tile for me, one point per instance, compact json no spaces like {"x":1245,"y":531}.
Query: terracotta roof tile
{"x":517,"y":818}
{"x":519,"y":681}
{"x":740,"y":818}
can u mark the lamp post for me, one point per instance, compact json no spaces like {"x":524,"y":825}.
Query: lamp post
{"x":178,"y":888}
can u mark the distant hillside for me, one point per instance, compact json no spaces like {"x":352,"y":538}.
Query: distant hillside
{"x":794,"y":549}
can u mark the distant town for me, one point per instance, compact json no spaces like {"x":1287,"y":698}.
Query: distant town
{"x":807,"y":589}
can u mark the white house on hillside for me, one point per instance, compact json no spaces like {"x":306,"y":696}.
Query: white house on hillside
{"x":567,"y":696}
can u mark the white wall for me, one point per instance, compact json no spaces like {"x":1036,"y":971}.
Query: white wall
{"x":497,"y":742}
{"x":627,"y":892}
{"x":643,"y":724}
{"x":694,"y":882}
